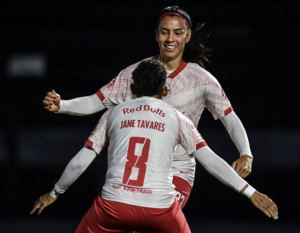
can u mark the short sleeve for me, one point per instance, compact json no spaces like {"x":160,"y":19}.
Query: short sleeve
{"x":98,"y":139}
{"x":117,"y":90}
{"x":189,"y":137}
{"x":215,"y":99}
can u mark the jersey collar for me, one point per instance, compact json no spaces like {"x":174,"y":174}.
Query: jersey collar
{"x":178,"y":70}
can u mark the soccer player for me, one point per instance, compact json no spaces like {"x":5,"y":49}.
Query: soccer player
{"x":190,"y":89}
{"x":138,"y":193}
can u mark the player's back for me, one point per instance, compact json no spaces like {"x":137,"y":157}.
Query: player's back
{"x":143,"y":134}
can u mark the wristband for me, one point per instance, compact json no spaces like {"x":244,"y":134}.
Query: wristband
{"x":249,"y":191}
{"x":53,"y":193}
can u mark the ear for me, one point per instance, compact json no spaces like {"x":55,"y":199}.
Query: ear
{"x":156,"y":35}
{"x":188,"y":36}
{"x":132,"y":87}
{"x":165,"y":91}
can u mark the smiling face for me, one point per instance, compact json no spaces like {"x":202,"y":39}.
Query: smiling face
{"x":172,"y":35}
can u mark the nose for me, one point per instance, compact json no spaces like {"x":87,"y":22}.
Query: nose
{"x":170,"y":37}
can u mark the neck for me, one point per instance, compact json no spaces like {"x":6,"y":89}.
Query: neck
{"x":171,"y":64}
{"x":157,"y":96}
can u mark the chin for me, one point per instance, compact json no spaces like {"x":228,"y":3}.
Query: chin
{"x":169,"y":56}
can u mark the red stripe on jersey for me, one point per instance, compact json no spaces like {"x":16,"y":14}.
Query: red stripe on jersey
{"x":89,"y":143}
{"x":228,"y":110}
{"x":200,"y":145}
{"x":100,"y":95}
{"x":178,"y":70}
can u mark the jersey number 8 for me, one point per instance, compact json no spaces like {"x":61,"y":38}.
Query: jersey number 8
{"x":136,"y":160}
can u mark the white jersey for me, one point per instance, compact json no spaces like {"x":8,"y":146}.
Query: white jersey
{"x":143,"y":134}
{"x":191,"y":89}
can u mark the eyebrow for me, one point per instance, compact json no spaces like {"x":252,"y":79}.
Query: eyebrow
{"x":178,"y":29}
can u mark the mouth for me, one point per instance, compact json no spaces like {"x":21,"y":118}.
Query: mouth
{"x":170,"y":48}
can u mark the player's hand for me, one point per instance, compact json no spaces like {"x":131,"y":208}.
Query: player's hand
{"x":243,"y":166}
{"x":265,"y":204}
{"x":42,"y":203}
{"x":52,"y":101}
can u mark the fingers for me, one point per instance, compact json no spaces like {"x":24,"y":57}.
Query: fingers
{"x":265,"y":204}
{"x":238,"y":169}
{"x":57,"y":95}
{"x":272,"y":210}
{"x":233,"y":165}
{"x":53,"y":94}
{"x":242,"y":170}
{"x":244,"y":173}
{"x":242,"y":166}
{"x":51,"y":101}
{"x":39,"y":206}
{"x":266,"y":212}
{"x":49,"y":106}
{"x":53,"y":98}
{"x":42,"y":203}
{"x":46,"y":102}
{"x":41,"y":209}
{"x":35,"y":207}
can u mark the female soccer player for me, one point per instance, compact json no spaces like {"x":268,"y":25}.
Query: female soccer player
{"x":138,"y":193}
{"x":190,"y":89}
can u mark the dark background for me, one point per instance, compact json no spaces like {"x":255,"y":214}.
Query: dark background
{"x":75,"y":47}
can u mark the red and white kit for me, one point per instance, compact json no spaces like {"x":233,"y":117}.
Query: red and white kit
{"x":191,"y":89}
{"x":143,"y":134}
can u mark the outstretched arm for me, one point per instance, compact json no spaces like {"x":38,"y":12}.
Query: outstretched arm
{"x":238,"y":135}
{"x":73,"y":170}
{"x":223,"y":172}
{"x":82,"y":106}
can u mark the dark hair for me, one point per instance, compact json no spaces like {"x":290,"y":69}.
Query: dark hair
{"x":194,"y":51}
{"x":176,"y":9}
{"x":149,"y":77}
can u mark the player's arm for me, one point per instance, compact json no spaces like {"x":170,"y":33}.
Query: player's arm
{"x":192,"y":141}
{"x":77,"y":165}
{"x":219,"y":105}
{"x":73,"y":170}
{"x":82,"y":106}
{"x":223,"y":172}
{"x":111,"y":94}
{"x":238,"y":135}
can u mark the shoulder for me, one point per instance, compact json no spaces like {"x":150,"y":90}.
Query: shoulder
{"x":107,"y":114}
{"x":193,"y":69}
